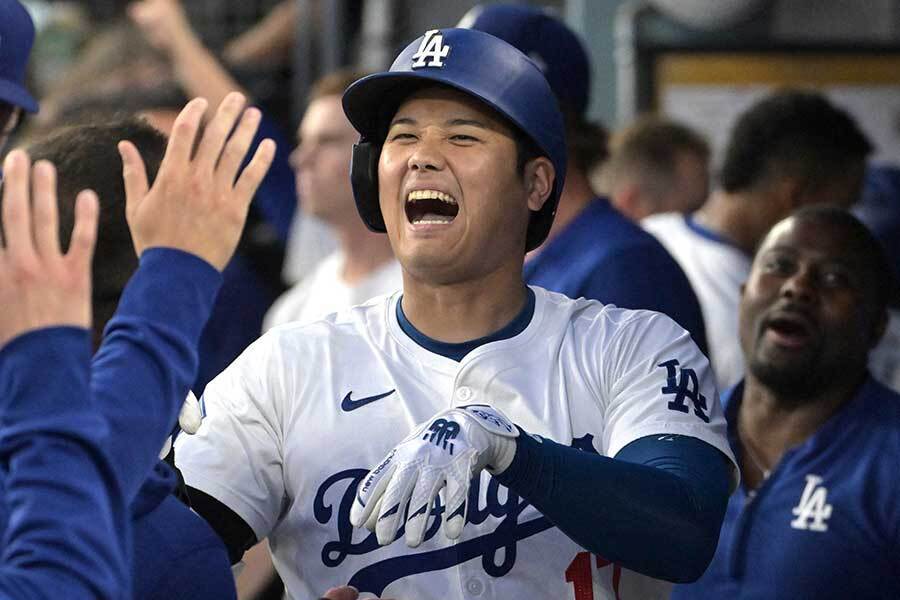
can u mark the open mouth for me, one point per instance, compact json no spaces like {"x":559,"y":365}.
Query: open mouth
{"x":430,"y":207}
{"x":790,"y":330}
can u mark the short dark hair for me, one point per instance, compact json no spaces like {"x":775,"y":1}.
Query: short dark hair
{"x":792,"y":132}
{"x":863,"y":242}
{"x":86,"y":157}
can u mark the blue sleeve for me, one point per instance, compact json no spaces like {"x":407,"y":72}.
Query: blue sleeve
{"x":656,"y":508}
{"x":148,"y":359}
{"x":646,"y":277}
{"x":276,"y":198}
{"x":68,"y":530}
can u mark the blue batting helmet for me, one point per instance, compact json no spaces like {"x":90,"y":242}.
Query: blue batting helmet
{"x":477,"y":64}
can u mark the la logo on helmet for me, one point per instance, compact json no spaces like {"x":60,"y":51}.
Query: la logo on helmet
{"x":433,"y":48}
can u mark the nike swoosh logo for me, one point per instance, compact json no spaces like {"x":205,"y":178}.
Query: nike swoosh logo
{"x":348,"y":404}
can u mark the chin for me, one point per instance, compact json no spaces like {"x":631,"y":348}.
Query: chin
{"x":798,"y":380}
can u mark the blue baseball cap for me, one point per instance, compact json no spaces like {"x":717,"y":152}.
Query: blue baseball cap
{"x":549,"y":42}
{"x":16,"y":39}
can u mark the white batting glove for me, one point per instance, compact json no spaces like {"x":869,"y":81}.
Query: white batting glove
{"x":448,"y":450}
{"x":189,"y":419}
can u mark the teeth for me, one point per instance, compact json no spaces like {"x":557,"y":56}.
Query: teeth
{"x":430,"y":194}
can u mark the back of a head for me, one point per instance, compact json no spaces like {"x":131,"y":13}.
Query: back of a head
{"x":649,"y":153}
{"x":86,"y":157}
{"x":792,"y":133}
{"x":563,"y":59}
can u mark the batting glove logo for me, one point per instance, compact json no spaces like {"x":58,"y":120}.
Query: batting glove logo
{"x":445,"y":452}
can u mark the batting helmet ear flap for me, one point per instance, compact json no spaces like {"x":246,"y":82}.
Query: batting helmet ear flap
{"x":364,"y":179}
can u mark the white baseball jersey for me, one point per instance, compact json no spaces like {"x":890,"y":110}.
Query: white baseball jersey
{"x":296,"y":422}
{"x":716,"y":270}
{"x":324,"y":291}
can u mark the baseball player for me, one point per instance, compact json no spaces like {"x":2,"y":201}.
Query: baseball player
{"x":67,"y":535}
{"x":521,"y":444}
{"x":818,"y":438}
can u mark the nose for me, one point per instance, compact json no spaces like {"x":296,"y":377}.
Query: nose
{"x":426,"y":156}
{"x":800,"y":286}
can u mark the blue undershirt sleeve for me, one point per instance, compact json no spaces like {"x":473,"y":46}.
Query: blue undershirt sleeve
{"x":656,"y":508}
{"x":148,"y":359}
{"x":67,"y":534}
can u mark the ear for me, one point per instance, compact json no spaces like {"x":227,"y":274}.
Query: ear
{"x":627,"y":200}
{"x":539,"y":178}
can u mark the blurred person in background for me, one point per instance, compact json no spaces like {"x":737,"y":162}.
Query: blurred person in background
{"x":592,"y":249}
{"x":788,"y":150}
{"x":657,"y":166}
{"x":364,"y":265}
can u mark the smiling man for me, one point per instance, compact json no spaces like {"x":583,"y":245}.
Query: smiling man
{"x":816,"y":436}
{"x":566,"y":447}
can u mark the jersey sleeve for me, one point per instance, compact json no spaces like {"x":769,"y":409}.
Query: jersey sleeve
{"x":236,"y":455}
{"x":656,"y":382}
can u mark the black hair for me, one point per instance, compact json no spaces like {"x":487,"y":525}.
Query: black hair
{"x":796,"y":133}
{"x":86,"y":157}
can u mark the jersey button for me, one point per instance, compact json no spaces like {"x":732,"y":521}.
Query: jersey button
{"x":474,"y":586}
{"x":464,"y":394}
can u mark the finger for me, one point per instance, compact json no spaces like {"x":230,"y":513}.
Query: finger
{"x":420,"y":502}
{"x":237,"y":146}
{"x":16,"y":206}
{"x":457,"y":494}
{"x":45,"y":211}
{"x":217,"y":131}
{"x":393,"y":505}
{"x":255,"y":171}
{"x":370,"y":489}
{"x":184,"y":132}
{"x":134,"y":175}
{"x":84,"y":232}
{"x":345,"y":592}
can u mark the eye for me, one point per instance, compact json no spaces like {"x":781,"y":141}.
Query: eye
{"x":836,"y":278}
{"x":462,"y":138}
{"x":778,"y":265}
{"x":401,"y":136}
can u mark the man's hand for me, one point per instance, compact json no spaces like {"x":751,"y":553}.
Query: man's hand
{"x":448,"y":450}
{"x":39,"y":285}
{"x":344,"y":592}
{"x":197,"y":203}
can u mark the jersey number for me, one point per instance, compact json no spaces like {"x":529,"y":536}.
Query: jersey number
{"x":581,"y":575}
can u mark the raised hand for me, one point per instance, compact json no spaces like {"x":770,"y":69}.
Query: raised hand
{"x":162,"y":22}
{"x":448,"y":450}
{"x":39,"y":285}
{"x":198,"y":203}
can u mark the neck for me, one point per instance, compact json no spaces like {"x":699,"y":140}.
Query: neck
{"x":576,"y":195}
{"x":364,"y":252}
{"x":464,"y":311}
{"x":739,"y":218}
{"x":770,"y":422}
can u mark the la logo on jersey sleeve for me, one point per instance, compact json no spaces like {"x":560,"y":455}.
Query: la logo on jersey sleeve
{"x":813,"y":510}
{"x":432,"y":51}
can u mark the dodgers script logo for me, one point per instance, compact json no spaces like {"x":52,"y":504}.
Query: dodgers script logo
{"x":496,"y":549}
